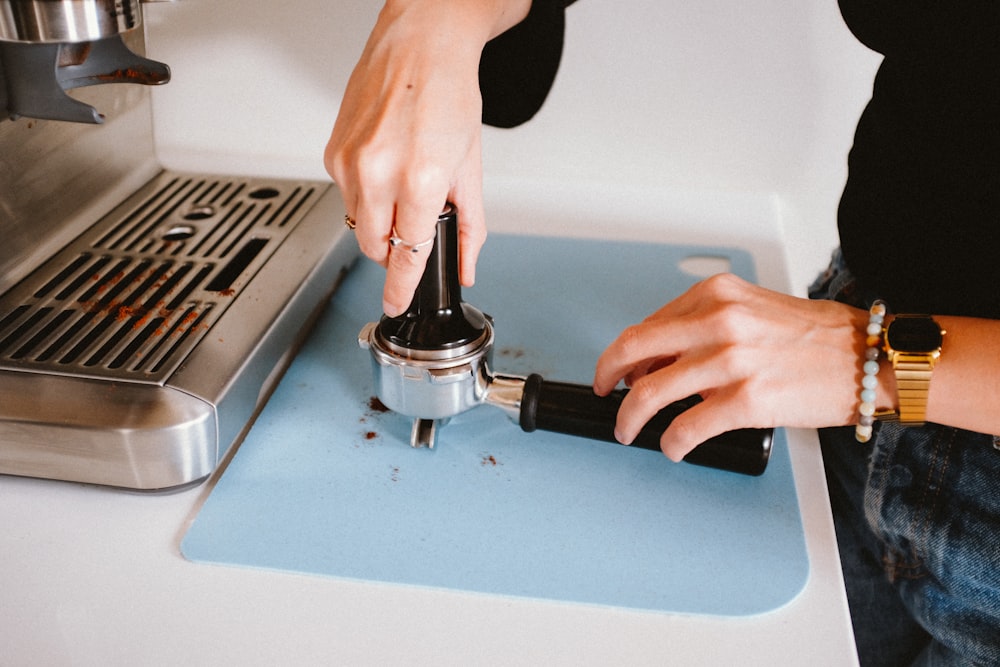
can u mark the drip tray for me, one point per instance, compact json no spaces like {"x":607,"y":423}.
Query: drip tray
{"x":139,"y":354}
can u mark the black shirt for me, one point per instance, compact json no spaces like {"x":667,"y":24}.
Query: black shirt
{"x":517,"y":68}
{"x":920,"y":215}
{"x":919,"y":219}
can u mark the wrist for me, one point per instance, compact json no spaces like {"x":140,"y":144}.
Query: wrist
{"x":466,"y":22}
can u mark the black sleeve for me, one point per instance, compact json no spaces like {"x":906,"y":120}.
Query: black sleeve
{"x":518,"y":67}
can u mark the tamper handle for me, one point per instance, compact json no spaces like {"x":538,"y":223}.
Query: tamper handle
{"x":439,"y":289}
{"x":437,"y":319}
{"x":574,"y":409}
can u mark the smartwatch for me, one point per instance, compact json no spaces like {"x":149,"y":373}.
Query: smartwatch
{"x":913,"y":345}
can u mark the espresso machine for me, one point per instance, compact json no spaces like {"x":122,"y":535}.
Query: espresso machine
{"x":435,"y":361}
{"x":145,"y":314}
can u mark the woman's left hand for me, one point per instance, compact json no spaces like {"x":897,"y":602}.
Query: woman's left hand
{"x":758,"y":359}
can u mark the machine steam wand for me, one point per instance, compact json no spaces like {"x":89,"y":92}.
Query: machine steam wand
{"x":434,"y":361}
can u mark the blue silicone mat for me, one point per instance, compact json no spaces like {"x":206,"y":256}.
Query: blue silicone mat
{"x":327,"y":484}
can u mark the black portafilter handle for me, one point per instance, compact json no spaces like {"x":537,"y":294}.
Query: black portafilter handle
{"x":574,"y":409}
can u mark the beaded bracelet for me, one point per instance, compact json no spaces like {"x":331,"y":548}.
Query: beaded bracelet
{"x":869,"y":381}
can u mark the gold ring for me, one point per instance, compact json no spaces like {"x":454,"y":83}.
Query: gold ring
{"x":350,"y":222}
{"x":395,"y":242}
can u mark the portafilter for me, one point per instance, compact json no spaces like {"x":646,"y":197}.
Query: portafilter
{"x":434,"y":362}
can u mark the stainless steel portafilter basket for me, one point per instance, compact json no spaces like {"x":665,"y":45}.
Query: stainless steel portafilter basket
{"x":434,"y":362}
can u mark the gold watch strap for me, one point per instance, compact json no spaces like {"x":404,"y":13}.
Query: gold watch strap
{"x":913,"y":384}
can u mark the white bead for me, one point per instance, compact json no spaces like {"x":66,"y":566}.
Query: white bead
{"x":869,"y":382}
{"x":866,"y":408}
{"x":870,"y":368}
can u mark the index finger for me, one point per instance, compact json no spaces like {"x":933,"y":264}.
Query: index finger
{"x":640,"y":345}
{"x":678,"y":326}
{"x":415,"y":227}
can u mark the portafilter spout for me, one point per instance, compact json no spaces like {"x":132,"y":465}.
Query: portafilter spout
{"x":434,"y":362}
{"x":430,"y":362}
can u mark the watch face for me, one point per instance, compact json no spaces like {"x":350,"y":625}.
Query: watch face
{"x":913,"y":334}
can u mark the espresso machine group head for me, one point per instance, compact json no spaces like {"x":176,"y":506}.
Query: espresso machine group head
{"x":434,"y":362}
{"x":50,"y":46}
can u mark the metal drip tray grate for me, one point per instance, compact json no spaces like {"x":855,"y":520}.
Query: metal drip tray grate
{"x":130,"y":298}
{"x":138,"y":354}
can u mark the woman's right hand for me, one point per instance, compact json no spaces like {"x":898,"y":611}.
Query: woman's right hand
{"x":408,"y":135}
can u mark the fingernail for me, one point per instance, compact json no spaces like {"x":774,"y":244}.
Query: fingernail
{"x":390,"y":310}
{"x":620,"y":438}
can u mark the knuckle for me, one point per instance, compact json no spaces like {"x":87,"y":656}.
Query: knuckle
{"x":334,"y":162}
{"x":630,"y":341}
{"x":645,"y":396}
{"x":341,"y":166}
{"x":732,"y":361}
{"x":406,"y":261}
{"x":724,"y":284}
{"x":374,"y":167}
{"x":684,"y":435}
{"x":725,"y":288}
{"x":423,"y":183}
{"x":733,"y":320}
{"x":372,"y":247}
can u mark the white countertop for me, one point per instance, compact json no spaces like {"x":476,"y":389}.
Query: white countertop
{"x":94,"y":575}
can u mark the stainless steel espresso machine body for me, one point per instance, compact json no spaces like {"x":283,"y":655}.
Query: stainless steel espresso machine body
{"x":145,"y":314}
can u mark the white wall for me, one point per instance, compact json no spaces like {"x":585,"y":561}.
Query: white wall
{"x":748,"y":104}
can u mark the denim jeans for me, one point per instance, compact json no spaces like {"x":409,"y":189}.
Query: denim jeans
{"x":917,"y":514}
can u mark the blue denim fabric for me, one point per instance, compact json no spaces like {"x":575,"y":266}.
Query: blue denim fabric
{"x":917,"y":514}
